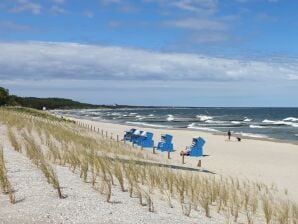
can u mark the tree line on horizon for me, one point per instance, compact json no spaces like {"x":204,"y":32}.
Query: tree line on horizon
{"x":49,"y":103}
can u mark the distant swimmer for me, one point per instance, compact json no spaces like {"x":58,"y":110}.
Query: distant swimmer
{"x":229,"y":134}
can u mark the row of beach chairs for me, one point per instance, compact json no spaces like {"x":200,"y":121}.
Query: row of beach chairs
{"x":145,"y":140}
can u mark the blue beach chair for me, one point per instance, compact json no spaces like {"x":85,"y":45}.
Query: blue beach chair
{"x":195,"y":150}
{"x":136,"y":137}
{"x":146,"y":140}
{"x":128,"y":135}
{"x":165,"y":143}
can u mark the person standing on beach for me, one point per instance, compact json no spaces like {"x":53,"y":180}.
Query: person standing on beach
{"x":229,"y":134}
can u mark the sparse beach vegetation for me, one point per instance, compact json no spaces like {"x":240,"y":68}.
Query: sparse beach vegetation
{"x":106,"y":164}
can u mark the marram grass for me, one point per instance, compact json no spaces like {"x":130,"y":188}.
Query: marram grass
{"x":97,"y":160}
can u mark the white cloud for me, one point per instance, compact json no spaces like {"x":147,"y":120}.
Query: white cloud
{"x":194,"y":6}
{"x":14,"y":27}
{"x":26,"y":5}
{"x":71,"y":61}
{"x":58,"y":10}
{"x":198,"y":24}
{"x":88,"y":14}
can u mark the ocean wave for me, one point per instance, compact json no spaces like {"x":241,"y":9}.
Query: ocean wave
{"x":290,"y":119}
{"x":247,"y":119}
{"x":268,"y":121}
{"x":204,"y":117}
{"x":280,"y":123}
{"x":251,"y":135}
{"x":116,"y":114}
{"x":170,"y":117}
{"x":147,"y":125}
{"x":256,"y":126}
{"x":215,"y":122}
{"x":203,"y":128}
{"x":151,"y":115}
{"x":235,"y":122}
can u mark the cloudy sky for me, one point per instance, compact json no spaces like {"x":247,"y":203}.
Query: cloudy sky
{"x":152,"y":52}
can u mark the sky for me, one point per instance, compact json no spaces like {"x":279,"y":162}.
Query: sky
{"x":152,"y":52}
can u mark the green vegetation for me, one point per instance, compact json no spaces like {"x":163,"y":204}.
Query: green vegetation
{"x":49,"y":103}
{"x":4,"y":96}
{"x":5,"y":185}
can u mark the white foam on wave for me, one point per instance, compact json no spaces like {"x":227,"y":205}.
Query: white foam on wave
{"x":146,"y":124}
{"x":290,"y":119}
{"x":139,"y":117}
{"x":133,"y":113}
{"x":281,"y":123}
{"x":170,"y":117}
{"x":235,"y":122}
{"x":247,"y":120}
{"x":204,"y":117}
{"x":256,"y":126}
{"x":151,"y":115}
{"x":116,"y":114}
{"x":193,"y":126}
{"x":202,"y":128}
{"x":268,"y":121}
{"x":251,"y":135}
{"x":296,"y":135}
{"x":215,"y":122}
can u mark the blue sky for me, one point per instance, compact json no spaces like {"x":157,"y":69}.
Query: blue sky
{"x":152,"y":52}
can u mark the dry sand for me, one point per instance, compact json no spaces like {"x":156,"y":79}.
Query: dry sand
{"x":265,"y":161}
{"x":257,"y":160}
{"x":37,"y":201}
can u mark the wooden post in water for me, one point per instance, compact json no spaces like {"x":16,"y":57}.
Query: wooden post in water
{"x":106,"y":134}
{"x":183,"y":159}
{"x":169,"y":155}
{"x":154,"y":149}
{"x":117,"y":138}
{"x":101,"y":132}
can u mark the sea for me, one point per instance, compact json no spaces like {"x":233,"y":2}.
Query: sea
{"x":264,"y":123}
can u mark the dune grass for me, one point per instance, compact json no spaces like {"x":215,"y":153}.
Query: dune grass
{"x":96,"y":159}
{"x":5,"y":184}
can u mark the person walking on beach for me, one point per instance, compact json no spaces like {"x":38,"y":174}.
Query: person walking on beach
{"x":229,"y":134}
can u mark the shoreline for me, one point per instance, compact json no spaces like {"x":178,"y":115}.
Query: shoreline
{"x":220,"y":133}
{"x":270,"y":162}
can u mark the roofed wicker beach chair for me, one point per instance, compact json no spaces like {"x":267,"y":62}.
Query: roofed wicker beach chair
{"x":165,"y":143}
{"x":146,"y":140}
{"x":196,"y":148}
{"x":128,"y":135}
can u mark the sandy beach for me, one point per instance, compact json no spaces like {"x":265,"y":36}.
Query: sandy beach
{"x":269,"y":162}
{"x":174,"y":193}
